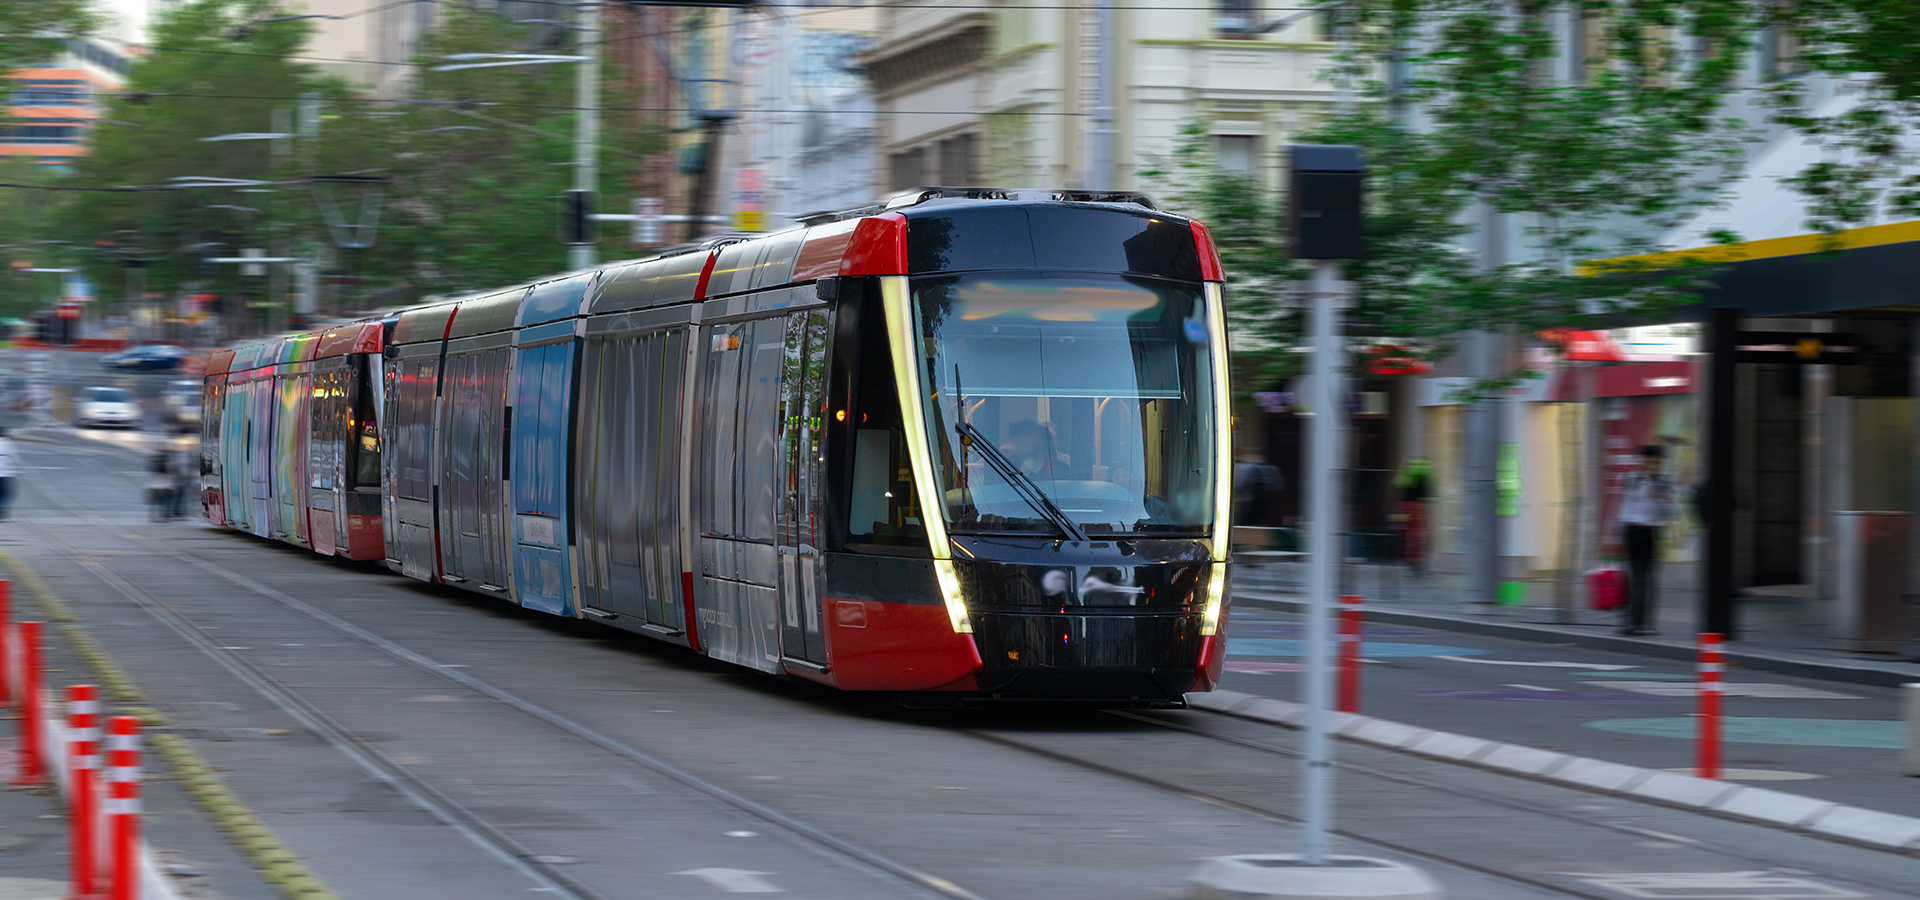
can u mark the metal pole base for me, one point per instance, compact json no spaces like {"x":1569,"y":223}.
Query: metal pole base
{"x":1285,"y":876}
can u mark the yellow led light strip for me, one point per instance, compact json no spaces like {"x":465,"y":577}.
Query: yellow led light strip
{"x":1222,"y":455}
{"x":906,"y":379}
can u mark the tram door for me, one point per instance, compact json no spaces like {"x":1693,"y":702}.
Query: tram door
{"x":236,"y":424}
{"x":537,"y":459}
{"x":803,"y":483}
{"x":260,"y":449}
{"x":473,"y":400}
{"x":413,"y":383}
{"x":736,"y":468}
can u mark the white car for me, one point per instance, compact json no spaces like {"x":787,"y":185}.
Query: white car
{"x":182,"y":399}
{"x":105,"y":407}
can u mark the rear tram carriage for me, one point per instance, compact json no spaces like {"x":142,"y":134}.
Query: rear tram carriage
{"x":971,"y":442}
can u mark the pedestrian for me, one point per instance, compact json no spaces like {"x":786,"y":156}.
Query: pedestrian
{"x":1256,"y":484}
{"x":1415,"y":483}
{"x":183,"y":467}
{"x":160,"y":482}
{"x":9,"y":468}
{"x":1646,"y":506}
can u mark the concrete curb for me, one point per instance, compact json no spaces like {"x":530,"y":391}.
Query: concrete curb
{"x":1820,"y":818}
{"x":1546,"y":634}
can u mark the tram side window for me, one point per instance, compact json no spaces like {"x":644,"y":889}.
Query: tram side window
{"x":882,"y":508}
{"x":364,"y":442}
{"x":210,"y":409}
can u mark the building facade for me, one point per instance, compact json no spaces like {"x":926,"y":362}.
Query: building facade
{"x":1006,"y":97}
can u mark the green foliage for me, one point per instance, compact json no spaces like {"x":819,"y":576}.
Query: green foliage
{"x":1867,"y":173}
{"x":1468,"y":120}
{"x":24,"y":235}
{"x":168,"y":111}
{"x":474,"y":160}
{"x":476,"y":169}
{"x":33,"y":31}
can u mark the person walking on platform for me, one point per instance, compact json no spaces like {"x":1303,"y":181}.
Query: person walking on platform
{"x":9,"y":468}
{"x":181,"y":466}
{"x":1646,"y":506}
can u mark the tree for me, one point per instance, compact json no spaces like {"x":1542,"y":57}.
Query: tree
{"x":208,"y":77}
{"x":477,"y":159}
{"x":1867,"y":173}
{"x":1593,"y":168}
{"x":34,"y":31}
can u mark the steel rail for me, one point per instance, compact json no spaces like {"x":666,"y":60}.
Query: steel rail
{"x":872,"y":859}
{"x":1525,"y":806}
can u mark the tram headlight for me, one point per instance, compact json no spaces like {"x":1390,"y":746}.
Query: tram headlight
{"x":949,"y":578}
{"x":1216,"y":597}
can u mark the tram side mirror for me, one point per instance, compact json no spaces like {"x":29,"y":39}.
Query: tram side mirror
{"x":1325,"y":192}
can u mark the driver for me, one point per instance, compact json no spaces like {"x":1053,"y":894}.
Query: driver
{"x":1033,"y":450}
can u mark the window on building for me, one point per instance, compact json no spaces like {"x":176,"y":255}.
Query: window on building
{"x":1780,"y":55}
{"x":50,"y":92}
{"x":40,"y":134}
{"x":1239,"y":154}
{"x":907,"y":170}
{"x":1234,"y":18}
{"x":958,"y":161}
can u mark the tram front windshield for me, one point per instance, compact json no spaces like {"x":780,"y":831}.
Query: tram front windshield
{"x":1095,"y":389}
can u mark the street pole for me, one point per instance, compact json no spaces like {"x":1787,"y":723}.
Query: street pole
{"x":1483,"y":443}
{"x":1323,"y":464}
{"x":586,"y":169}
{"x":1716,"y":600}
{"x":1326,"y":460}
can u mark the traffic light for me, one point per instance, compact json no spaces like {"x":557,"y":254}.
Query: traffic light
{"x":576,"y":217}
{"x":1326,"y":189}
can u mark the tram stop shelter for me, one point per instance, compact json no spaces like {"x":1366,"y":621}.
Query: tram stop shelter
{"x":1811,"y":478}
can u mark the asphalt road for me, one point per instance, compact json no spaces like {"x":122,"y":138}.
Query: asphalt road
{"x":1840,"y":742}
{"x":419,"y":742}
{"x":69,"y":370}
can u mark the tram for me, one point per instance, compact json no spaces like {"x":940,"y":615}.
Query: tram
{"x":968,"y":441}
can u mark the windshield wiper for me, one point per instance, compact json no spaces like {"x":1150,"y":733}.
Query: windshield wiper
{"x":1022,"y":485}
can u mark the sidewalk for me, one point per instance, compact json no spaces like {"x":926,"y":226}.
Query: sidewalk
{"x":1778,"y":633}
{"x":186,"y":857}
{"x":33,"y":833}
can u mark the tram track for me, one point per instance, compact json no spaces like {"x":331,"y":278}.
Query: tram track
{"x":478,"y":830}
{"x":1217,"y":797}
{"x":546,"y":876}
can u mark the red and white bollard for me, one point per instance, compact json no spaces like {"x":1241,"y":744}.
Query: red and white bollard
{"x":1711,"y":691}
{"x":123,"y":805}
{"x":83,"y":761}
{"x":33,"y":725}
{"x":6,"y":638}
{"x":1348,"y":690}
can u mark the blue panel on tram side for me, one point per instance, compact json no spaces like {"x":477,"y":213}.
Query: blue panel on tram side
{"x":554,"y":300}
{"x":543,"y":379}
{"x":234,"y":483}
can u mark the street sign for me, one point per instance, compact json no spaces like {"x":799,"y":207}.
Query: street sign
{"x":1796,"y":347}
{"x":750,"y":200}
{"x":647,"y":225}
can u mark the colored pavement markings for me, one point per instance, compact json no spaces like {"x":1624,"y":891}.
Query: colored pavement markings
{"x":1255,"y":667}
{"x":1750,"y":885}
{"x":1535,"y":695}
{"x":1875,"y":734}
{"x":1731,"y":689}
{"x":1378,"y":650}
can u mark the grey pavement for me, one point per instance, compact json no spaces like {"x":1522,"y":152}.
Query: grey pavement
{"x":1780,"y":630}
{"x":362,"y":717}
{"x":1835,"y":741}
